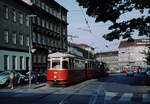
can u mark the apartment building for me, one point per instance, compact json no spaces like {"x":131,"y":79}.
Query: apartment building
{"x":47,"y":32}
{"x":14,"y":35}
{"x":132,"y":52}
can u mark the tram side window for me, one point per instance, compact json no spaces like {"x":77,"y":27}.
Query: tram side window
{"x":56,"y":65}
{"x":65,"y":64}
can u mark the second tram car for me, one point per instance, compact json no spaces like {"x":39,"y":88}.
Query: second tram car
{"x":64,"y":69}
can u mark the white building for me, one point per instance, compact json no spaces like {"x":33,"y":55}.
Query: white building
{"x":111,"y":58}
{"x":132,"y":52}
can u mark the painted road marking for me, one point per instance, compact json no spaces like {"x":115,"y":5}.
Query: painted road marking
{"x":126,"y":97}
{"x":110,"y":95}
{"x":146,"y":98}
{"x":94,"y":98}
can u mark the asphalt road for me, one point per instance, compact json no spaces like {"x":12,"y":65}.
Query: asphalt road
{"x":114,"y":89}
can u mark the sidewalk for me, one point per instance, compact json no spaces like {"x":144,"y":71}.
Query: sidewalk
{"x":33,"y":86}
{"x":18,"y":87}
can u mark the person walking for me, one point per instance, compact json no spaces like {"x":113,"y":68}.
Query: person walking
{"x":11,"y":85}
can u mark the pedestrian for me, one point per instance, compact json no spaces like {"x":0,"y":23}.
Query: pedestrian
{"x":36,"y":78}
{"x":12,"y":76}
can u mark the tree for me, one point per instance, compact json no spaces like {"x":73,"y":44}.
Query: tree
{"x":111,"y":10}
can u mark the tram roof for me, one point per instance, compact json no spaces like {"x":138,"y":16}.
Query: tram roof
{"x":59,"y":54}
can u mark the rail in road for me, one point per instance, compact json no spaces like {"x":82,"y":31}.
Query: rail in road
{"x":95,"y":91}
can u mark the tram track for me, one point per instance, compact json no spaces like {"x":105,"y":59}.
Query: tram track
{"x":63,"y":101}
{"x":73,"y":89}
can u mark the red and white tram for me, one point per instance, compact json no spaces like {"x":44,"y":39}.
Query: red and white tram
{"x":66,"y":69}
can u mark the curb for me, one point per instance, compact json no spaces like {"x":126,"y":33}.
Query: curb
{"x":40,"y":85}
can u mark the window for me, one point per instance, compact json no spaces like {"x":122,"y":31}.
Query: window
{"x":38,"y":21}
{"x":27,"y":41}
{"x":27,"y":62}
{"x":39,"y":38}
{"x":44,"y":59}
{"x":14,"y":61}
{"x":6,"y":36}
{"x":47,"y":24}
{"x":64,"y":18}
{"x":51,"y":26}
{"x":14,"y":15}
{"x":34,"y":58}
{"x":47,"y":8}
{"x":43,"y":23}
{"x":14,"y":38}
{"x":56,"y":64}
{"x":33,"y":19}
{"x":21,"y":62}
{"x":6,"y":12}
{"x":20,"y":17}
{"x":39,"y":59}
{"x":64,"y":31}
{"x":21,"y":39}
{"x":33,"y":37}
{"x":43,"y":40}
{"x":54,"y":12}
{"x":43,"y":5}
{"x":65,"y":64}
{"x":6,"y":62}
{"x":27,"y":20}
{"x":54,"y":28}
{"x":39,"y":3}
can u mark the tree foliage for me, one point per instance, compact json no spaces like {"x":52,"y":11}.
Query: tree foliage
{"x":111,"y":10}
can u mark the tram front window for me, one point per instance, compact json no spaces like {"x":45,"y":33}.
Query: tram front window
{"x":65,"y":64}
{"x":56,"y":65}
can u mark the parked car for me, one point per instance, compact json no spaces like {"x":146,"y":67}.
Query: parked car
{"x":18,"y":79}
{"x":130,"y":73}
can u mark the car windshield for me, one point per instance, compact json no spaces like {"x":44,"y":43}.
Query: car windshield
{"x":131,"y":71}
{"x":5,"y":73}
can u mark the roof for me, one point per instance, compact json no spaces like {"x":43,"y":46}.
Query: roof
{"x":85,"y":46}
{"x":58,"y":54}
{"x":136,"y":42}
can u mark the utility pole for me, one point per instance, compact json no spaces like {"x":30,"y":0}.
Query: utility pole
{"x":30,"y":48}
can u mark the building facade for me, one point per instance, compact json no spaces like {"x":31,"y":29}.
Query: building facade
{"x":86,"y":47}
{"x":47,"y":32}
{"x":111,"y":58}
{"x":131,"y":53}
{"x":14,"y":35}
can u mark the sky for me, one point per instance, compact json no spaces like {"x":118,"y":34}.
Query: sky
{"x":77,"y":27}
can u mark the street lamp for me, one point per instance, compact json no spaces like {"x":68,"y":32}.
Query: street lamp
{"x":30,"y":48}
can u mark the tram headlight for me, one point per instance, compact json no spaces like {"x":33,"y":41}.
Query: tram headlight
{"x":55,"y":77}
